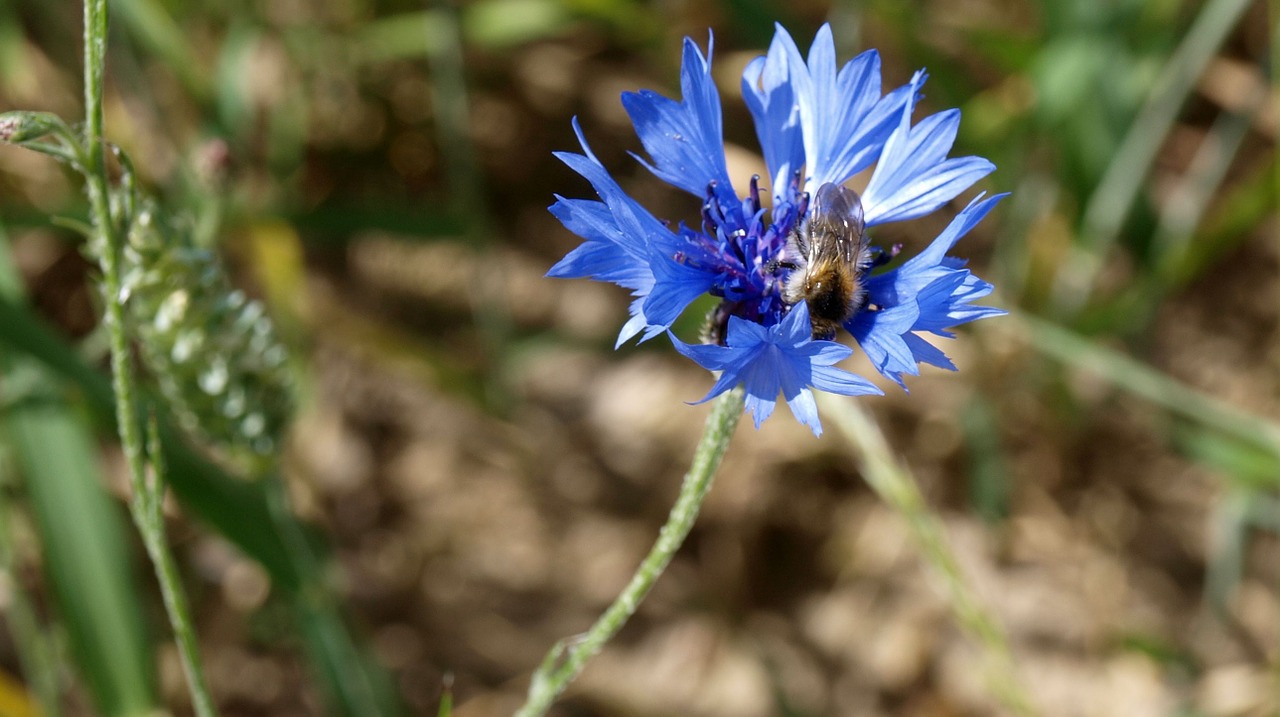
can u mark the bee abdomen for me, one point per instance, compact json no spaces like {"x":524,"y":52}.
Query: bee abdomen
{"x":832,"y":300}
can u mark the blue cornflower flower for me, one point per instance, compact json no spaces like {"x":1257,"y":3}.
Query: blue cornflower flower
{"x":775,"y":268}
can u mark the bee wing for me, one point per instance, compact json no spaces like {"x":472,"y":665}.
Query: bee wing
{"x":836,"y":225}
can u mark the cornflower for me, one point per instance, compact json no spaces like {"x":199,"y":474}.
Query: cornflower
{"x":817,"y":127}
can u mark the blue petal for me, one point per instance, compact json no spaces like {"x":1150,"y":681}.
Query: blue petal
{"x":967,"y":219}
{"x":709,"y":356}
{"x":908,"y":280}
{"x":805,"y":409}
{"x":839,"y":381}
{"x":760,"y":407}
{"x":632,"y":226}
{"x":824,"y":353}
{"x":770,"y":96}
{"x":848,"y":122}
{"x":743,"y":334}
{"x":795,"y":326}
{"x":913,"y":176}
{"x":880,"y":333}
{"x":676,"y":285}
{"x":621,"y":236}
{"x":780,"y":358}
{"x":762,"y":379}
{"x":931,"y":292}
{"x":633,"y":326}
{"x":808,"y":114}
{"x":601,"y":257}
{"x":684,"y":139}
{"x":926,"y":352}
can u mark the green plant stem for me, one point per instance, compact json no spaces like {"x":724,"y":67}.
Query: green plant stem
{"x":563,"y":663}
{"x":146,"y":504}
{"x":147,"y":508}
{"x":895,"y":485}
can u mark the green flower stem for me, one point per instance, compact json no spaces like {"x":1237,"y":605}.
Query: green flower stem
{"x":147,"y":508}
{"x":147,"y":497}
{"x":563,"y":663}
{"x":895,"y":485}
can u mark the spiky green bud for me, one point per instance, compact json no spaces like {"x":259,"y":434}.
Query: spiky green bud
{"x":213,"y":351}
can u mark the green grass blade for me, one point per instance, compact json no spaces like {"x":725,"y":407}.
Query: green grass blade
{"x":238,"y":510}
{"x":82,"y":536}
{"x":1139,"y":379}
{"x":81,"y":532}
{"x":1111,"y":200}
{"x":151,"y":23}
{"x":356,"y":686}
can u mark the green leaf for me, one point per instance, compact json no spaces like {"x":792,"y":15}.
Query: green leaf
{"x":237,"y":510}
{"x":81,"y":532}
{"x":82,"y":535}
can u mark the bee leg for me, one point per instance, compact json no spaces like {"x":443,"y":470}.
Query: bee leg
{"x":776,"y":263}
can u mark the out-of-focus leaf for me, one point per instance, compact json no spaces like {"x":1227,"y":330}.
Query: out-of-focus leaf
{"x":1243,"y":208}
{"x":1113,"y":198}
{"x":156,"y":28}
{"x":357,"y":686}
{"x":1230,"y":530}
{"x":1139,"y":379}
{"x":446,"y":698}
{"x":494,"y":24}
{"x":1245,"y":464}
{"x":14,"y":68}
{"x":236,"y":509}
{"x":233,"y":68}
{"x":81,"y":531}
{"x":502,"y":23}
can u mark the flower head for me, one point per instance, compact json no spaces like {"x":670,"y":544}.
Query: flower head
{"x":790,"y":272}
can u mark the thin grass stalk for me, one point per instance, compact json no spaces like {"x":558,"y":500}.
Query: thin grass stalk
{"x":1135,"y":377}
{"x":1194,"y":192}
{"x":334,"y":650}
{"x":145,"y":507}
{"x":893,"y":482}
{"x":563,"y":663}
{"x":1111,"y":200}
{"x":466,"y":189}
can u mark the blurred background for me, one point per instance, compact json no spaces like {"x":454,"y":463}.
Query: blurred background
{"x":485,"y":471}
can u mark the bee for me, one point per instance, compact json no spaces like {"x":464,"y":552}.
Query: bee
{"x":828,"y":256}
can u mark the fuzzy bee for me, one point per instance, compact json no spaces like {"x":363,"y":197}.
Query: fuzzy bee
{"x":828,"y":257}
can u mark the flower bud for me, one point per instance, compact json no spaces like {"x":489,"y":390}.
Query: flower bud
{"x":213,"y":352}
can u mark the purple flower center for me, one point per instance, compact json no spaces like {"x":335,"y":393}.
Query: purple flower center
{"x":739,"y":243}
